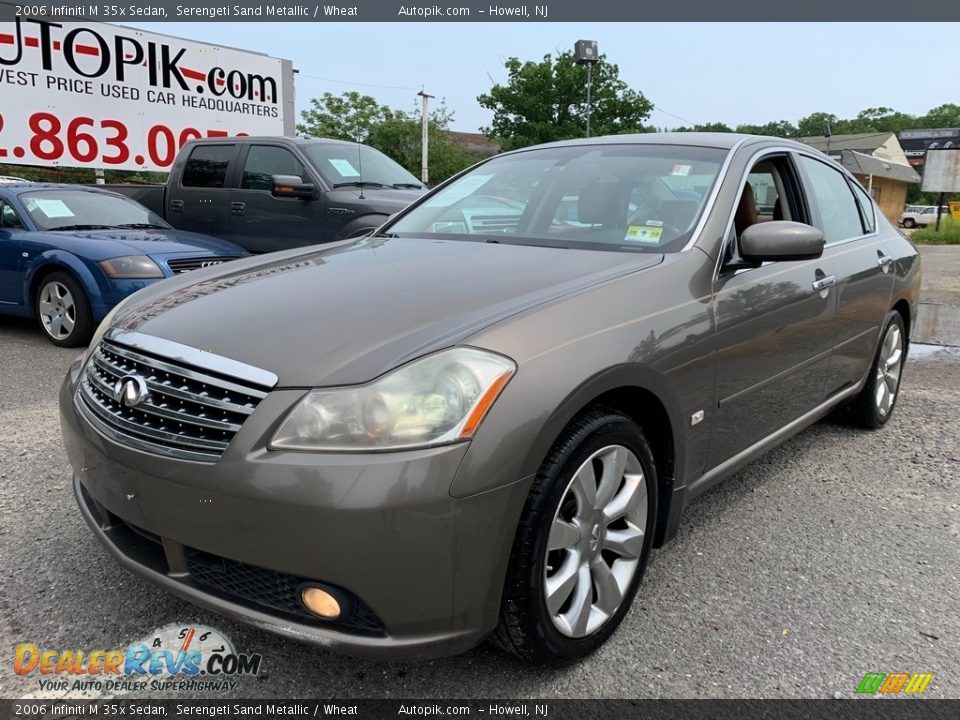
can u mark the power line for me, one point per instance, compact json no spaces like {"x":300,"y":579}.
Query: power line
{"x":673,"y":115}
{"x":350,"y":82}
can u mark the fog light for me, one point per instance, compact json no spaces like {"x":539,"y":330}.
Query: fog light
{"x":320,"y":602}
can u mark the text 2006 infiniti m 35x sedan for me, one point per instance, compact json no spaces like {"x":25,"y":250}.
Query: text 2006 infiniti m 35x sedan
{"x":479,"y":420}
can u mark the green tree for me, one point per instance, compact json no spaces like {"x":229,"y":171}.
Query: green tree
{"x":348,"y":116}
{"x":776,"y":128}
{"x":815,"y":124}
{"x":400,"y":137}
{"x":546,"y":100}
{"x":943,"y":116}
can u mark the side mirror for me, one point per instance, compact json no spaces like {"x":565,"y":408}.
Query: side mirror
{"x":292,"y":186}
{"x":780,"y":240}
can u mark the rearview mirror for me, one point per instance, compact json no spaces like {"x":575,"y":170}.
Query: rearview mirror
{"x":292,"y":186}
{"x":780,"y":240}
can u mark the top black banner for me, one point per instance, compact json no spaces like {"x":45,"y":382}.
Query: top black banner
{"x":486,"y":11}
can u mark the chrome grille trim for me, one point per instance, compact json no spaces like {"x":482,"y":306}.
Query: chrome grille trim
{"x":184,"y":412}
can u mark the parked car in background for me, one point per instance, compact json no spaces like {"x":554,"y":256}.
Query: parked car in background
{"x":68,"y":254}
{"x":10,"y":179}
{"x":275,"y":193}
{"x":496,"y":420}
{"x":923,"y":216}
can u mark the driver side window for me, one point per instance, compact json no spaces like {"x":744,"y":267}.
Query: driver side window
{"x":8,"y":218}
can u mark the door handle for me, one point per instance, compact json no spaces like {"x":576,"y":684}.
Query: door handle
{"x":884,"y":261}
{"x":825,"y":283}
{"x":176,"y":206}
{"x":237,"y":208}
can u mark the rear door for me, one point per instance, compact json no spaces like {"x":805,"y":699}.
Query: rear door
{"x":773,"y":321}
{"x":261,"y":222}
{"x":199,"y":198}
{"x":11,"y":230}
{"x":862,"y":263}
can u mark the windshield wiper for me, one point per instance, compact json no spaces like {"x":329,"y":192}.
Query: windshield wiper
{"x":359,"y":183}
{"x":415,"y":186}
{"x":83,"y":227}
{"x":141,"y":226}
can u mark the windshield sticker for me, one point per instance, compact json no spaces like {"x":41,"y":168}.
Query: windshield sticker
{"x":463,"y":188}
{"x":644,"y":234}
{"x":680,"y":170}
{"x":654,"y":223}
{"x":53,"y":208}
{"x":458,"y":228}
{"x":343,"y":167}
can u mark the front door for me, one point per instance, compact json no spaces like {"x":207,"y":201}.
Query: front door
{"x":261,"y":222}
{"x":773,"y":322}
{"x":11,"y":229}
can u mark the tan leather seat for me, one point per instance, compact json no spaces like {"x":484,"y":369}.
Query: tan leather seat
{"x":746,"y":214}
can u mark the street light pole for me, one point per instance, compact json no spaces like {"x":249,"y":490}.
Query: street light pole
{"x":425,"y":138}
{"x":585,"y":53}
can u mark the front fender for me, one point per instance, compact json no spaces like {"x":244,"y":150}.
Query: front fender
{"x":370,"y":221}
{"x":61,"y":259}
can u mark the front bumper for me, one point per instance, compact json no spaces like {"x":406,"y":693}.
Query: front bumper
{"x":383,"y":528}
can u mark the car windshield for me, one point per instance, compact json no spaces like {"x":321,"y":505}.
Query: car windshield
{"x":86,"y":210}
{"x":343,"y":164}
{"x":636,"y":198}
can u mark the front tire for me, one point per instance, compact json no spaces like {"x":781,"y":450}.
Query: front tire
{"x":582,"y":543}
{"x":63,"y":310}
{"x":874,"y":405}
{"x":909,"y":223}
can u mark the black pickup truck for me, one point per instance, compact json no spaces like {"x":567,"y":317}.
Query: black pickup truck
{"x":273,"y":193}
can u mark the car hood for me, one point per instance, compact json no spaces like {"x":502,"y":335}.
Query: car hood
{"x":111,"y":243}
{"x":345,"y":314}
{"x":380,"y":200}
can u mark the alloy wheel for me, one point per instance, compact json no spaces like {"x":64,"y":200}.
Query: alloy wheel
{"x":889,"y":365}
{"x":57,"y":309}
{"x":595,"y":541}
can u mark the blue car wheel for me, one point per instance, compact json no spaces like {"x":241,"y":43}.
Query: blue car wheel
{"x":63,"y":310}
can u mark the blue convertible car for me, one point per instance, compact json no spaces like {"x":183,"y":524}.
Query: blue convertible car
{"x":68,"y":254}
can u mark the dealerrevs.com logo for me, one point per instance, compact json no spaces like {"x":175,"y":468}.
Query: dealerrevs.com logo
{"x":175,"y":657}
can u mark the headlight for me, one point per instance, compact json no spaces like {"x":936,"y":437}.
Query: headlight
{"x":102,"y":328}
{"x":131,"y":267}
{"x":432,"y":401}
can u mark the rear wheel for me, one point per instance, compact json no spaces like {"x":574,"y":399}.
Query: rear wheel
{"x":583,"y":541}
{"x":909,"y":223}
{"x":874,"y":405}
{"x":63,"y":310}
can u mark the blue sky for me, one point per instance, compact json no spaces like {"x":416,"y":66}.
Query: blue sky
{"x":700,"y":72}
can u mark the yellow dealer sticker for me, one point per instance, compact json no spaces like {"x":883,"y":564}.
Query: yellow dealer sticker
{"x":644,"y":234}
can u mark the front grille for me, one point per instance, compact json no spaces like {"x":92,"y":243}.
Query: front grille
{"x":264,"y":589}
{"x":183,"y":265}
{"x":187,"y":413}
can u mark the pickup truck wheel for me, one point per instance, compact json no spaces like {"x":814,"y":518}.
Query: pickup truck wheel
{"x":909,"y":223}
{"x":583,"y":541}
{"x":63,"y":310}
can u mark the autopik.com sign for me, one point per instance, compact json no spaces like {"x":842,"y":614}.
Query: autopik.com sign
{"x":91,"y":94}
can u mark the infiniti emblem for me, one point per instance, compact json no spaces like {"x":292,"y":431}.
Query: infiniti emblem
{"x":130,"y":390}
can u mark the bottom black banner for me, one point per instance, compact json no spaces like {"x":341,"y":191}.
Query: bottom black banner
{"x":863,"y":709}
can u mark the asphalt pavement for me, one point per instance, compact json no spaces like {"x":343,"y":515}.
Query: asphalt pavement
{"x":834,"y":555}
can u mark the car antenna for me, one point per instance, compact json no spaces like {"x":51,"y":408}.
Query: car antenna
{"x":359,"y":158}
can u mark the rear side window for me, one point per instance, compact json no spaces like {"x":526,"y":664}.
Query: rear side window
{"x":866,"y":206}
{"x":838,"y":208}
{"x":207,"y":166}
{"x":265,"y":161}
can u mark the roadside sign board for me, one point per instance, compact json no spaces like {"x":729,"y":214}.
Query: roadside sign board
{"x":90,"y":94}
{"x":941,"y":171}
{"x":955,"y":210}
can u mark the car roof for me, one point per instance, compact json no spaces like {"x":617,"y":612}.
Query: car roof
{"x":298,"y":140}
{"x":18,"y":188}
{"x":720,"y":140}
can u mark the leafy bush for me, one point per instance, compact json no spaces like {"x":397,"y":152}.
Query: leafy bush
{"x":949,"y":233}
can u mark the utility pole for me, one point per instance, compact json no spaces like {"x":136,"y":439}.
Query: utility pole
{"x":425,"y":138}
